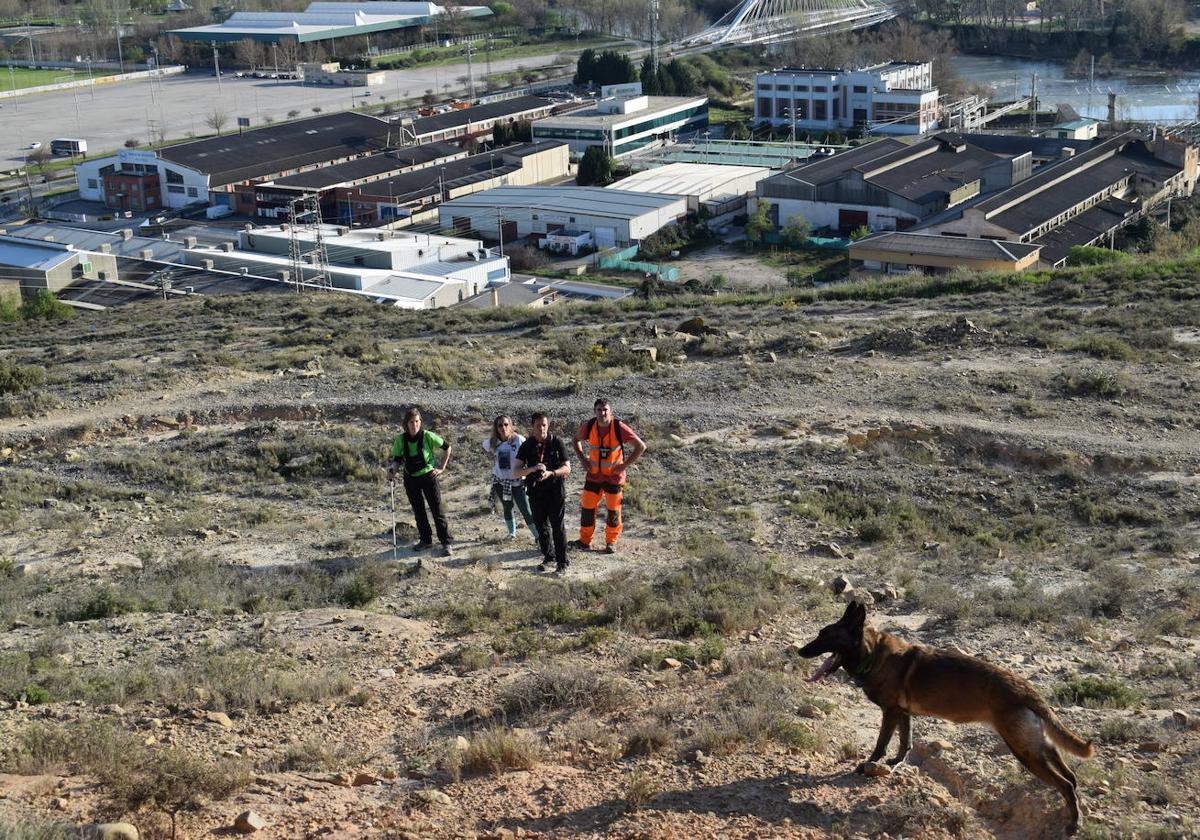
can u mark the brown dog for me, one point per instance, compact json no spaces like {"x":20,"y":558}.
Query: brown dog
{"x":906,"y":680}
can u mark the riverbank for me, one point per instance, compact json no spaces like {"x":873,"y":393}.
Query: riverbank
{"x":1032,"y":43}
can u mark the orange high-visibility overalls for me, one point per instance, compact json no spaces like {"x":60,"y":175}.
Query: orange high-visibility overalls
{"x":606,"y":460}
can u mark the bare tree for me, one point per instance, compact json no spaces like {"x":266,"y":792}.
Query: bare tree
{"x":248,"y":53}
{"x":39,"y":158}
{"x":216,"y":119}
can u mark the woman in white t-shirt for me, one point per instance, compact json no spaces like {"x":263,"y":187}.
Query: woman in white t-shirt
{"x":503,"y":444}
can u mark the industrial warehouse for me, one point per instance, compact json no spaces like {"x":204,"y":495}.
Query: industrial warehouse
{"x":610,"y":217}
{"x":323,"y":22}
{"x":970,"y":186}
{"x":224,"y":170}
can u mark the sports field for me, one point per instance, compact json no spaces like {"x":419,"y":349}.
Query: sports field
{"x":20,"y":77}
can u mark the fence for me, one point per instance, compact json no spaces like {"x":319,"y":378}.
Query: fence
{"x":622,"y":261}
{"x":511,"y":32}
{"x":99,"y":80}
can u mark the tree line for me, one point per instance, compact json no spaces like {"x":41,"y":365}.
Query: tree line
{"x":678,"y":77}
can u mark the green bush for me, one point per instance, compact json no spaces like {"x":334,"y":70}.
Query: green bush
{"x":105,"y":602}
{"x":14,"y":379}
{"x":1096,"y":693}
{"x":1091,"y":255}
{"x":45,"y":306}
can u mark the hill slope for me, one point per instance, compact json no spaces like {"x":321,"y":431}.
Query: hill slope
{"x":200,"y":571}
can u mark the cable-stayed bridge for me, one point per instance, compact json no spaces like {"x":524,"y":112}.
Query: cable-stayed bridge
{"x":769,"y":21}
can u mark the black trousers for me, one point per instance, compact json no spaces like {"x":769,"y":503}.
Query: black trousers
{"x":424,"y":489}
{"x":549,"y":509}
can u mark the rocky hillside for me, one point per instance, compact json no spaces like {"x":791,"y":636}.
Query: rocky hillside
{"x":203,"y":626}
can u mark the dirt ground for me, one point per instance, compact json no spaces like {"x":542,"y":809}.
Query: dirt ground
{"x":196,"y":565}
{"x":722,"y":260}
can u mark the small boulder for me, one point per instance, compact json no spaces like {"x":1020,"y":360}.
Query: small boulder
{"x":363,"y":779}
{"x":860,"y":596}
{"x":248,"y":822}
{"x":461,"y":744}
{"x":670,"y":664}
{"x":434,"y":797}
{"x":841,"y":583}
{"x":220,"y":719}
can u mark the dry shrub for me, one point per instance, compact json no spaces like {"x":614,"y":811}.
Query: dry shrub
{"x":566,"y":688}
{"x":498,"y":749}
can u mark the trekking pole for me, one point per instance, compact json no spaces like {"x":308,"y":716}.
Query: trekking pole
{"x":392,"y":482}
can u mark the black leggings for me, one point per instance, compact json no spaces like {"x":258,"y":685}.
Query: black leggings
{"x":424,"y":489}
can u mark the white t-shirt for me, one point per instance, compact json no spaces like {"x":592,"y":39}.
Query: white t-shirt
{"x":506,"y":456}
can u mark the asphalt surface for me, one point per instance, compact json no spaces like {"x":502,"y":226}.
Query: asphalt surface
{"x":107,"y":115}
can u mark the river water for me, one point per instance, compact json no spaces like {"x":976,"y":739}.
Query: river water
{"x":1141,"y":96}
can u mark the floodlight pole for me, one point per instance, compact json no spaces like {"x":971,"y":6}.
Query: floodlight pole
{"x":217,"y":66}
{"x":120,"y":56}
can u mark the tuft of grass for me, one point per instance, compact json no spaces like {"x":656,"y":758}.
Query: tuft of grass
{"x":314,"y":754}
{"x":498,"y":749}
{"x":1121,"y":730}
{"x":640,"y":789}
{"x":1104,"y":384}
{"x":1104,"y":347}
{"x":647,"y":738}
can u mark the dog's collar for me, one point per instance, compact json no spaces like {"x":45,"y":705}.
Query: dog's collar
{"x":865,"y":665}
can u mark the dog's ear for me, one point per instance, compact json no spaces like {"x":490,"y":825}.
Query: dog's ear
{"x":848,"y":617}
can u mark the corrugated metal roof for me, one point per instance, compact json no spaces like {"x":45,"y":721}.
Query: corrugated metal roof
{"x":590,"y":200}
{"x":688,"y":178}
{"x":279,"y":148}
{"x":373,"y":166}
{"x":959,"y":247}
{"x":460,"y":118}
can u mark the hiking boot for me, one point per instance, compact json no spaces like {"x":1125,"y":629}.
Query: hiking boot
{"x":579,"y":545}
{"x":610,"y":548}
{"x":447,"y":551}
{"x":560,"y":571}
{"x":422,"y":546}
{"x":543,"y":566}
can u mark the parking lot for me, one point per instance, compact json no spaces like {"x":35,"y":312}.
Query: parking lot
{"x":107,"y":115}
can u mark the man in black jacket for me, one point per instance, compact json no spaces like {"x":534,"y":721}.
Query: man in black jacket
{"x":543,"y":462}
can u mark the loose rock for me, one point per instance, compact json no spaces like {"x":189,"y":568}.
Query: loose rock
{"x":249,"y":822}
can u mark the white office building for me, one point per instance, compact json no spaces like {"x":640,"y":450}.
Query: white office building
{"x":894,"y":98}
{"x":623,"y":124}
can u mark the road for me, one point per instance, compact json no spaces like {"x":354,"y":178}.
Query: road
{"x":107,"y":115}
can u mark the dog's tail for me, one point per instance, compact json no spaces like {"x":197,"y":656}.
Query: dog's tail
{"x":1058,"y":732}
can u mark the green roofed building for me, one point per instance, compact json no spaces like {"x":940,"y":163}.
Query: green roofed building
{"x":323,"y":22}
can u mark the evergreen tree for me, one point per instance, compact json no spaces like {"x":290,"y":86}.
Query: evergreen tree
{"x":595,"y":169}
{"x":649,"y":77}
{"x":585,"y":69}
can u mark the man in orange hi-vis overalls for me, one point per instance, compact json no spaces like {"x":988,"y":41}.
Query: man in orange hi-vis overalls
{"x":604,"y":459}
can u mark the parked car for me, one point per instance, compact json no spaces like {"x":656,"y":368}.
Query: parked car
{"x":34,"y":146}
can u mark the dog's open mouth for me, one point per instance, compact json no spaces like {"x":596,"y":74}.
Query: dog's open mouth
{"x":830,"y":665}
